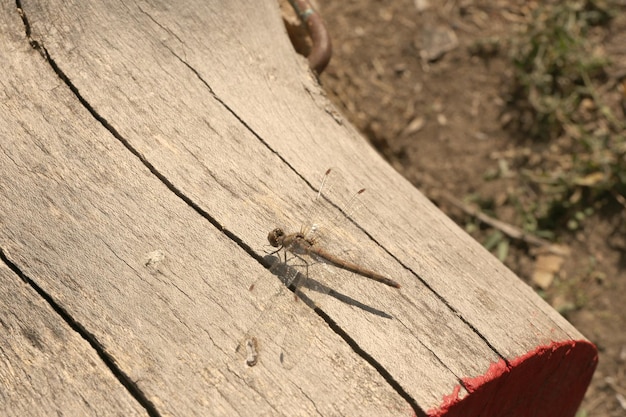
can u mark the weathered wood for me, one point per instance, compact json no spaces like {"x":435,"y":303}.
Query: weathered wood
{"x":159,"y":288}
{"x":45,"y":366}
{"x":233,"y":130}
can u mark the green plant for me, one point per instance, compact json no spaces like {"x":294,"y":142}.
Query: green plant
{"x":554,"y":102}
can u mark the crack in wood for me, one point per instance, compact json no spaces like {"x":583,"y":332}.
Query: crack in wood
{"x":108,"y":360}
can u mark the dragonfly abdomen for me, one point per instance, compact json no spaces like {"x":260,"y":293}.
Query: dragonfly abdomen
{"x":327,"y":257}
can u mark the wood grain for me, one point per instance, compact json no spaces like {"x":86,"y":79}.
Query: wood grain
{"x":156,"y":284}
{"x":35,"y":381}
{"x":144,"y":164}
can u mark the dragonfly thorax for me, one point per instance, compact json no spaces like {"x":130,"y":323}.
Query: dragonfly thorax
{"x":279,"y":239}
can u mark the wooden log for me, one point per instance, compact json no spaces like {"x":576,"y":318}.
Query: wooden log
{"x":46,"y":365}
{"x":146,"y":151}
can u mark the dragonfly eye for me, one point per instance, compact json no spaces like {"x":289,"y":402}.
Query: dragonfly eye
{"x":275,"y":237}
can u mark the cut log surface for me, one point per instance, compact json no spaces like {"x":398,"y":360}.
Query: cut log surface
{"x":146,"y":150}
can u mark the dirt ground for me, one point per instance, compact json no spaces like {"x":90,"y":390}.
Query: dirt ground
{"x":425,"y":82}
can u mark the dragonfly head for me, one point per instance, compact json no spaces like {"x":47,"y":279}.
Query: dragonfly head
{"x":275,"y":237}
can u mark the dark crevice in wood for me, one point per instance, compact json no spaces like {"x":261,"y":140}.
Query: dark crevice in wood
{"x":354,"y":345}
{"x":246,"y":125}
{"x":109,"y":361}
{"x":432,"y":290}
{"x":33,"y":43}
{"x":373,"y":362}
{"x":38,"y":46}
{"x":236,"y":116}
{"x":436,"y":294}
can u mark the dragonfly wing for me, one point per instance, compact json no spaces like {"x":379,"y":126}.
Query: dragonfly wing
{"x":282,"y":330}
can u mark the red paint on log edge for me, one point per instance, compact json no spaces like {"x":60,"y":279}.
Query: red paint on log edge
{"x":547,"y":382}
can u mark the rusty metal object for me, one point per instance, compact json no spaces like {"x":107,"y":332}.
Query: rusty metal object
{"x":322,"y":48}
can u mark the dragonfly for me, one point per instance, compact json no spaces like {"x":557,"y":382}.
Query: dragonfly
{"x":307,"y":242}
{"x":298,"y":244}
{"x":312,"y":242}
